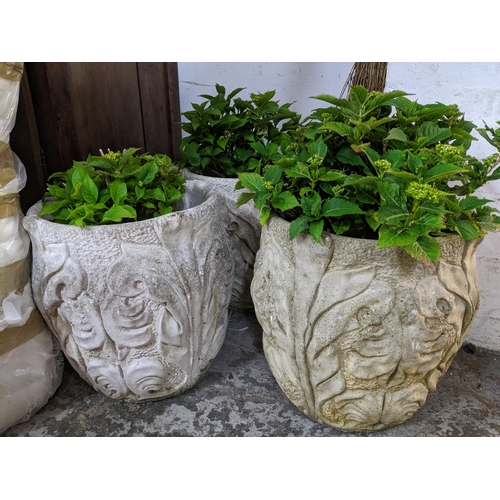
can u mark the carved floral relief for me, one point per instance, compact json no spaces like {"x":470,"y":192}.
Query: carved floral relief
{"x":140,"y":309}
{"x":357,"y":337}
{"x":244,"y":235}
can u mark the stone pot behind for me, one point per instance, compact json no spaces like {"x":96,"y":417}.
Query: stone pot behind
{"x":140,"y":309}
{"x":244,"y":235}
{"x":357,"y":337}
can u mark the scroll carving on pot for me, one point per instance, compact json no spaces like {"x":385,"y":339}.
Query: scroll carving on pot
{"x":244,"y":236}
{"x":359,"y":343}
{"x":138,"y":321}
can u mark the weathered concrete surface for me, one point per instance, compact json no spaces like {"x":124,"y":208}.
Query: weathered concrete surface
{"x":238,"y":396}
{"x":140,"y":309}
{"x":358,"y":337}
{"x":244,"y":236}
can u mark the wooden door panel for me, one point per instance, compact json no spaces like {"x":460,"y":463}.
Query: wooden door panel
{"x":159,"y":89}
{"x":107,"y":106}
{"x":94,"y":105}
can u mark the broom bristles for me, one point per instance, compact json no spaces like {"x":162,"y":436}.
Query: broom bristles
{"x":371,"y":75}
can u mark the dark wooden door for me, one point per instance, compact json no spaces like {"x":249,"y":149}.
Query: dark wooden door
{"x":69,"y":110}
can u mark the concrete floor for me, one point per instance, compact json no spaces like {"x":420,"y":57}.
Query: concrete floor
{"x":238,"y":396}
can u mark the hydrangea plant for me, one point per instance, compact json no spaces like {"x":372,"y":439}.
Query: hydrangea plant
{"x":380,"y":166}
{"x":227,"y":135}
{"x":114,"y":187}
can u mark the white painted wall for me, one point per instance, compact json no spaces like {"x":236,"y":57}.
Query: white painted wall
{"x":292,"y":81}
{"x":474,"y":87}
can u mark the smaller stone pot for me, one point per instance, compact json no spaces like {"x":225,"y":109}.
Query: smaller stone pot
{"x":244,"y":233}
{"x":357,"y":337}
{"x":140,"y":309}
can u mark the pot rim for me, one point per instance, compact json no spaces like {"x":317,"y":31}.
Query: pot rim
{"x":208,"y":178}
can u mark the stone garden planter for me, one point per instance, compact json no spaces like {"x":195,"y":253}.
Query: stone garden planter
{"x":140,"y":308}
{"x":358,"y":337}
{"x":244,"y":233}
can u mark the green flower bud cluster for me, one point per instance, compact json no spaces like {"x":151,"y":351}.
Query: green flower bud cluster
{"x":424,"y":192}
{"x":450,"y":154}
{"x":315,"y":160}
{"x":286,"y":162}
{"x":382,"y":165}
{"x":268,"y":185}
{"x":491,"y":160}
{"x":112,"y":155}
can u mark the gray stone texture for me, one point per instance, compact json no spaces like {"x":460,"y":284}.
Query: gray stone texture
{"x":357,"y":337}
{"x":244,"y":234}
{"x":140,"y":309}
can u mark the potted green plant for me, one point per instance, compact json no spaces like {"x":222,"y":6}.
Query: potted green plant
{"x":226,"y":135}
{"x":365,"y":282}
{"x":132,"y":273}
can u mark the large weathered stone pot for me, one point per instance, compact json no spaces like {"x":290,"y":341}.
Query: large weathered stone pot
{"x":357,"y":337}
{"x":140,"y":308}
{"x":244,"y":236}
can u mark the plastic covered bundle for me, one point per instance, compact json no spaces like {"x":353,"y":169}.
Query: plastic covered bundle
{"x":31,"y":362}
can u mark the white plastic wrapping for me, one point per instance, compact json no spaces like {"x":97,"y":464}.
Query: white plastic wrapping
{"x":31,"y":362}
{"x":18,"y":182}
{"x":10,"y":76}
{"x":29,"y":376}
{"x":14,"y":241}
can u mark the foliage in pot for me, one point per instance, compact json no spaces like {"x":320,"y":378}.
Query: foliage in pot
{"x":114,"y":187}
{"x":226,"y":135}
{"x":380,"y":166}
{"x":140,"y":308}
{"x":365,"y":283}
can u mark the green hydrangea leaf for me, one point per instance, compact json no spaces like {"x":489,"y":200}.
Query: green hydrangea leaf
{"x":252,"y":181}
{"x":425,"y":248}
{"x":348,"y":156}
{"x":396,"y":134}
{"x":243,"y":198}
{"x":316,"y":229}
{"x":441,"y":172}
{"x":119,"y":212}
{"x":467,"y":229}
{"x":331,"y":176}
{"x":338,"y":127}
{"x":392,"y":214}
{"x":341,"y":226}
{"x":472,"y":202}
{"x":335,"y":207}
{"x":89,"y":190}
{"x":298,"y":225}
{"x":51,"y":208}
{"x":118,"y":191}
{"x":488,"y":223}
{"x":390,"y":236}
{"x":147,"y":172}
{"x":264,"y":215}
{"x":260,"y":199}
{"x":273,"y":174}
{"x":285,"y":201}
